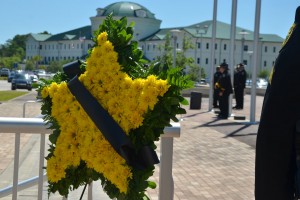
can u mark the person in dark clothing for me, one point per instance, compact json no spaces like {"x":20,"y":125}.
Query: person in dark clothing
{"x":225,"y":89}
{"x":239,"y":84}
{"x":277,"y":155}
{"x":217,"y":75}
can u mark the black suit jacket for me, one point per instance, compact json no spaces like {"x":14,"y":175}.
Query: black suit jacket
{"x":275,"y":147}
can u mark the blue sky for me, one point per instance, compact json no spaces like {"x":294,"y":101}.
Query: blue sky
{"x":56,"y":16}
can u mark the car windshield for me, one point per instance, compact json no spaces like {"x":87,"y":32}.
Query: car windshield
{"x":21,"y":76}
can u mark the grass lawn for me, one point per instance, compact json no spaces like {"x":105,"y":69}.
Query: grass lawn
{"x":7,"y":95}
{"x":3,"y":78}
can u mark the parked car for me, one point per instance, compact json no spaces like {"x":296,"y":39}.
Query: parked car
{"x":261,"y":83}
{"x":22,"y":81}
{"x":34,"y":78}
{"x":4,"y":72}
{"x":11,"y":76}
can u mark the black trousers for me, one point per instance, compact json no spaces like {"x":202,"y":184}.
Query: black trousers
{"x":216,"y":98}
{"x":239,"y":97}
{"x":224,"y":105}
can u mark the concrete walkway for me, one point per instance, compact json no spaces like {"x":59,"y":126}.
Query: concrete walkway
{"x":213,"y":159}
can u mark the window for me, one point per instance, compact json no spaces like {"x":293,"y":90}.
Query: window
{"x":216,"y":46}
{"x":177,"y":45}
{"x":140,"y":13}
{"x":154,"y":46}
{"x":245,"y":47}
{"x":199,"y":45}
{"x":206,"y":60}
{"x":215,"y":61}
{"x":245,"y":62}
{"x":148,"y":47}
{"x":207,"y":45}
{"x":198,"y":60}
{"x":225,"y":47}
{"x":265,"y":63}
{"x":274,"y":49}
{"x":266,"y":49}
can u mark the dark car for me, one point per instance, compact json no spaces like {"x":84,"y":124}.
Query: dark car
{"x":10,"y":76}
{"x":4,"y":72}
{"x":22,"y":81}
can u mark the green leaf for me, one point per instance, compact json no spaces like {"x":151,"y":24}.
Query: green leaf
{"x":181,"y":111}
{"x":151,"y":184}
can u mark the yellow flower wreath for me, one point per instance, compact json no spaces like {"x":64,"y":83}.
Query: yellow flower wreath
{"x":125,"y":99}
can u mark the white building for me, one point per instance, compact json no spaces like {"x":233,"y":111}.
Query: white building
{"x":74,"y":44}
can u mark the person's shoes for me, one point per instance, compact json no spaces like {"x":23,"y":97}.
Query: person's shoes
{"x":237,"y":108}
{"x":222,"y":117}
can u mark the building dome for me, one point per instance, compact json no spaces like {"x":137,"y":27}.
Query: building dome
{"x":126,"y":9}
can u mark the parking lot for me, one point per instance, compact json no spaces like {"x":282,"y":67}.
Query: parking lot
{"x":4,"y":85}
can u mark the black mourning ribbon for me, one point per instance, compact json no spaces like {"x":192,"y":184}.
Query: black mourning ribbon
{"x":141,"y":159}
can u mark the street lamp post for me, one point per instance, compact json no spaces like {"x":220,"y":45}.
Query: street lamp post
{"x":243,"y":33}
{"x":200,"y":31}
{"x":174,"y":33}
{"x":59,"y":50}
{"x":250,"y":64}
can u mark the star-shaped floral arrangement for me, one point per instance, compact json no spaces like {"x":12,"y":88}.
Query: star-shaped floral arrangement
{"x":142,"y":100}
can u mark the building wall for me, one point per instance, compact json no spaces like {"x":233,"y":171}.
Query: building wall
{"x":57,"y":50}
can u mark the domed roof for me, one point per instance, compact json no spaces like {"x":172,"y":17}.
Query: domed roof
{"x":127,"y":9}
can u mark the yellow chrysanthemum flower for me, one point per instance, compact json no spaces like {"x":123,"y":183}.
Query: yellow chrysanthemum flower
{"x":45,"y":92}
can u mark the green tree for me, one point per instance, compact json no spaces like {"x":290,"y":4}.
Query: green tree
{"x":263,"y":74}
{"x":9,"y":61}
{"x":14,"y":47}
{"x":29,"y":65}
{"x":55,"y":66}
{"x":36,"y":59}
{"x":165,"y":59}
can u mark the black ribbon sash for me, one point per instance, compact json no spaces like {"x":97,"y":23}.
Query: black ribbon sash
{"x":110,"y":129}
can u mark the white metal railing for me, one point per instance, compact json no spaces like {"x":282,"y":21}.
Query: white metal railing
{"x":17,"y":126}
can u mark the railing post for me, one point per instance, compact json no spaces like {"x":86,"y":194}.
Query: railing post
{"x":24,"y":106}
{"x":16,"y":166}
{"x":41,"y":168}
{"x":166,"y":183}
{"x":90,"y":191}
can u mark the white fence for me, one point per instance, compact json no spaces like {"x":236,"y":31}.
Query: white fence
{"x":17,"y":126}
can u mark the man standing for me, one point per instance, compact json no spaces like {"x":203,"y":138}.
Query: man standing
{"x":239,"y":83}
{"x":277,"y":155}
{"x":225,"y":89}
